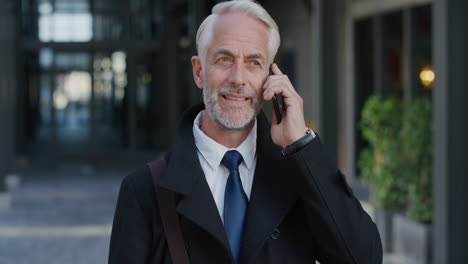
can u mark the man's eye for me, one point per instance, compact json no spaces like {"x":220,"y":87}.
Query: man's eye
{"x":224,"y":59}
{"x":255,"y":63}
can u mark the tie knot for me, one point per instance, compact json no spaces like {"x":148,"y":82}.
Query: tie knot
{"x":231,"y":160}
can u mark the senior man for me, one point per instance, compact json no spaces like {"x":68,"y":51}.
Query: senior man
{"x":246,"y":191}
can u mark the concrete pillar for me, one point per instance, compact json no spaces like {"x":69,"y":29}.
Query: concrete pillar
{"x":92,"y":143}
{"x":131,"y":102}
{"x":450,"y":185}
{"x":196,"y":14}
{"x":167,"y":80}
{"x":350,"y":96}
{"x":8,"y":32}
{"x":378,"y":56}
{"x":328,"y":109}
{"x":409,"y":68}
{"x":170,"y":61}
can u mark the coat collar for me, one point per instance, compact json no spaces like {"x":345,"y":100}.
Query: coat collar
{"x":184,"y":176}
{"x":270,"y":199}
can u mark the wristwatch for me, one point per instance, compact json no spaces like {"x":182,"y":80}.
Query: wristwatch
{"x":299,"y":144}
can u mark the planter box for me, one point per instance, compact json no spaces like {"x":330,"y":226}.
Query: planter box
{"x":412,"y":240}
{"x":384,"y":222}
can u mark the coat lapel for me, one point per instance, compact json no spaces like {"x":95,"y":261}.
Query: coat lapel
{"x":200,"y":208}
{"x":185,"y":176}
{"x":271,"y":196}
{"x":270,"y":199}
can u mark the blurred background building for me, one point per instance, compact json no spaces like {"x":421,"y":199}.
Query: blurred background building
{"x":108,"y":79}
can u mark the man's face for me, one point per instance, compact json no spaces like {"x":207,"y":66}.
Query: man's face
{"x":235,"y":69}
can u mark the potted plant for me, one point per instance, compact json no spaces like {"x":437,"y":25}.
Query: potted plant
{"x":380,"y":162}
{"x":413,"y":231}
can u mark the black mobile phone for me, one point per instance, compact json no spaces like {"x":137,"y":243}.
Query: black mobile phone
{"x":278,"y":104}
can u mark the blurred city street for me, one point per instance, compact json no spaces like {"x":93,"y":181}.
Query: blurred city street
{"x":60,"y":215}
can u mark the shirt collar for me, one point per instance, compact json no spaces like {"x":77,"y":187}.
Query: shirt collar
{"x":214,"y":152}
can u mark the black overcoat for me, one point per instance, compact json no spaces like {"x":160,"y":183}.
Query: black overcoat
{"x":300,"y":210}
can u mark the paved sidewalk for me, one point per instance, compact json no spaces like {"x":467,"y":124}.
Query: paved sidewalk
{"x":64,"y":215}
{"x":60,"y":216}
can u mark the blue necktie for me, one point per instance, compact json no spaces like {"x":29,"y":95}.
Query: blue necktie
{"x":235,"y":203}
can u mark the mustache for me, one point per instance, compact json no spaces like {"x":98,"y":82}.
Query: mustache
{"x":239,"y":91}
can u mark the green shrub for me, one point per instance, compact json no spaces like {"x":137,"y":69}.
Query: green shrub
{"x":416,"y":139}
{"x":381,"y":162}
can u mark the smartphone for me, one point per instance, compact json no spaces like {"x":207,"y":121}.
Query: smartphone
{"x":278,"y":104}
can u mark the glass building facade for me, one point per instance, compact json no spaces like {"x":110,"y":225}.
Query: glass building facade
{"x":88,"y":75}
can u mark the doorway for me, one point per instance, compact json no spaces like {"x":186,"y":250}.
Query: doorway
{"x":78,"y":100}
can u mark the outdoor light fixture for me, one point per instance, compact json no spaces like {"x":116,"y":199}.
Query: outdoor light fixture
{"x":184,"y":42}
{"x":427,"y":76}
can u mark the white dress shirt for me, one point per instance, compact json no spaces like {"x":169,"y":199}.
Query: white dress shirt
{"x":210,"y":153}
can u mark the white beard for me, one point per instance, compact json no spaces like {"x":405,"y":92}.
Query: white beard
{"x":221,"y":116}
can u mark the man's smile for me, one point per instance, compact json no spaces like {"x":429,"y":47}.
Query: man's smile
{"x":235,"y":97}
{"x":235,"y":100}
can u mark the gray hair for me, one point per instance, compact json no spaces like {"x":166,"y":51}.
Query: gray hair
{"x":247,"y":7}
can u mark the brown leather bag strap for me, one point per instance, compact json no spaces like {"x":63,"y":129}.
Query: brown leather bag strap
{"x":170,"y":220}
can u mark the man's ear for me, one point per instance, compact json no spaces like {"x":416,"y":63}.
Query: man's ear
{"x":197,"y":71}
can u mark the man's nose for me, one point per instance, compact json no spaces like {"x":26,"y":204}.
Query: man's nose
{"x":237,"y":76}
